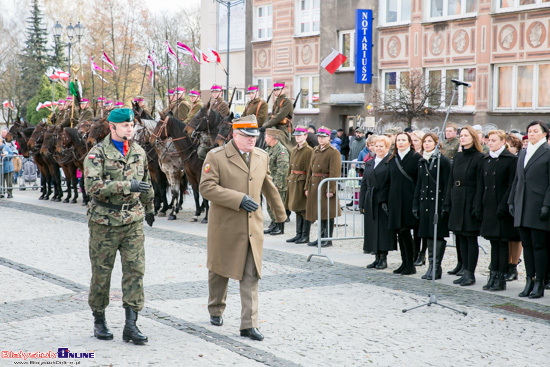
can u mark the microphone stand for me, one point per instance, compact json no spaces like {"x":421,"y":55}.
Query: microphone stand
{"x":437,"y":153}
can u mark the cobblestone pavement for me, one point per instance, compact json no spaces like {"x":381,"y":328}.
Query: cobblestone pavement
{"x":311,"y":313}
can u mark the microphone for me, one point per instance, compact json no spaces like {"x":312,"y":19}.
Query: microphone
{"x":460,"y":82}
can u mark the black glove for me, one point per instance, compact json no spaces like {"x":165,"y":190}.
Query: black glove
{"x":139,"y":186}
{"x":544,"y":213}
{"x":385,"y":208}
{"x":415,"y":213}
{"x":511,"y":209}
{"x":150,"y":218}
{"x":478,"y":216}
{"x":501,"y":214}
{"x":262,"y":129}
{"x":249,"y":204}
{"x":445,"y":214}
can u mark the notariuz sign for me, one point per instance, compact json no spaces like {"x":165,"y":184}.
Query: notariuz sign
{"x":363,"y":46}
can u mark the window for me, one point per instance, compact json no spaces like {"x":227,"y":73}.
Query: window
{"x":263,"y":23}
{"x":393,"y":81}
{"x":504,"y":5}
{"x":522,"y":87}
{"x":450,"y":8}
{"x":346,"y":42}
{"x":395,"y":11}
{"x":441,"y":79}
{"x":264,"y":86}
{"x":308,"y":17}
{"x":309,"y":99}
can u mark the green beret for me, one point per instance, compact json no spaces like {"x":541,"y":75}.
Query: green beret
{"x":121,"y":115}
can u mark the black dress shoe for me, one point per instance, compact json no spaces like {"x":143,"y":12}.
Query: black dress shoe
{"x":252,"y":333}
{"x":216,"y":320}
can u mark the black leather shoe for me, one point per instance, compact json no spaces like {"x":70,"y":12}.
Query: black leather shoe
{"x":457,"y":268}
{"x":216,"y":320}
{"x":374,"y":263}
{"x":101,"y":330}
{"x":270,"y":228}
{"x":252,"y":333}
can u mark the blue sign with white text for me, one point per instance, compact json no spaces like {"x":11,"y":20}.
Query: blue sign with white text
{"x":363,"y":46}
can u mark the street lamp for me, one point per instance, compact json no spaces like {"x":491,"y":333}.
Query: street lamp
{"x":78,"y":29}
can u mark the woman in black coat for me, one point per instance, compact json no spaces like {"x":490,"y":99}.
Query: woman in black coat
{"x":499,"y":170}
{"x":529,"y":203}
{"x":424,"y":202}
{"x":378,"y":238}
{"x":463,"y":201}
{"x":396,"y":198}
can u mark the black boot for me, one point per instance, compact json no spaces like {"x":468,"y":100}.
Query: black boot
{"x":440,"y":247}
{"x":270,"y":228}
{"x":491,"y":281}
{"x":500,"y":282}
{"x":529,"y":284}
{"x":101,"y":330}
{"x":468,"y":279}
{"x":421,"y":259}
{"x":305,"y":232}
{"x":538,"y":288}
{"x":409,"y":260}
{"x":512,"y":272}
{"x":299,"y":228}
{"x":383,"y":263}
{"x":457,"y":268}
{"x":329,"y":231}
{"x":399,"y":270}
{"x":131,"y":331}
{"x":323,"y":225}
{"x":428,"y":274}
{"x":374,"y":263}
{"x":279,"y":229}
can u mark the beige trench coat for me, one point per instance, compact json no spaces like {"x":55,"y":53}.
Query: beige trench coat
{"x":225,"y":180}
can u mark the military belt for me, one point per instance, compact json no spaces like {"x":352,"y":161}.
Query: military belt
{"x":319,"y":174}
{"x":298,"y":172}
{"x":122,"y":207}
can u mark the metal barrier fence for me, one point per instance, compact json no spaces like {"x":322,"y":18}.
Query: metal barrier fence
{"x":16,"y":178}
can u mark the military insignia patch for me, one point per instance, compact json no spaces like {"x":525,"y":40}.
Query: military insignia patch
{"x":207,"y":167}
{"x":91,"y":156}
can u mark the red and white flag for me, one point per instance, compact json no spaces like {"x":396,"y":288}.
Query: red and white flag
{"x":333,"y":61}
{"x":186,"y":50}
{"x":7,"y":104}
{"x":105,"y":58}
{"x":57,"y":74}
{"x":216,"y":55}
{"x":204,"y":57}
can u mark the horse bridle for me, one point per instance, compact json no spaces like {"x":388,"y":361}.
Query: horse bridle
{"x":228,"y":137}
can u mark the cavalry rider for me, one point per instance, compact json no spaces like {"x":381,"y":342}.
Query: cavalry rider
{"x":171,"y":102}
{"x":119,"y":104}
{"x":256,"y":105}
{"x":281,"y":115}
{"x":108,"y":107}
{"x":219,"y":104}
{"x":140,"y":101}
{"x":181,"y":106}
{"x":57,"y":117}
{"x":196,"y":104}
{"x":86,"y":113}
{"x":71,"y":115}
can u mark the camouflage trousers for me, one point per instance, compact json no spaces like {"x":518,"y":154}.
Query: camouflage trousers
{"x":282,"y":194}
{"x":104,"y":243}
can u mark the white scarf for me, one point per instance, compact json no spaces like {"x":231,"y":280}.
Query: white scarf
{"x":428,"y":155}
{"x":377,"y":160}
{"x":531,"y":149}
{"x":402,"y":154}
{"x":497,"y":153}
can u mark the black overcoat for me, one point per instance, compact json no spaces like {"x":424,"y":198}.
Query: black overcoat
{"x":465,"y":192}
{"x":424,"y":196}
{"x":398,"y":191}
{"x":498,"y":176}
{"x":531,"y":189}
{"x":377,"y":235}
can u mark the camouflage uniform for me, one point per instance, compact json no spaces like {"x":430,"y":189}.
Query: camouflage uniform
{"x":107,"y":176}
{"x":279,"y":160}
{"x":450,"y":148}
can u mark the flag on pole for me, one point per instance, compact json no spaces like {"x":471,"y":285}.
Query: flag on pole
{"x":204,"y":57}
{"x":94,"y":67}
{"x":7,"y":104}
{"x":216,"y":55}
{"x":57,"y":74}
{"x":105,"y":58}
{"x":171,"y":54}
{"x":187,"y":51}
{"x":333,"y":61}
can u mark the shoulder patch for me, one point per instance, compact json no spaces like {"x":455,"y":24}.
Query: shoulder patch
{"x":91,"y":156}
{"x":207,"y":167}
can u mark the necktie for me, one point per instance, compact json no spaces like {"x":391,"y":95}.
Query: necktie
{"x":245,"y":157}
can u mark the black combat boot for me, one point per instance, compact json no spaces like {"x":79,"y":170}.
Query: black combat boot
{"x":328,"y":232}
{"x":374,"y":263}
{"x":131,"y":331}
{"x":323,"y":225}
{"x":299,"y":228}
{"x":279,"y":229}
{"x":306,"y":226}
{"x":491,"y":281}
{"x":101,"y":330}
{"x":383,"y":263}
{"x":270,"y":228}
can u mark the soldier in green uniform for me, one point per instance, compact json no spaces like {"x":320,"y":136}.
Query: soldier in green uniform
{"x":86,"y":113}
{"x":281,"y":114}
{"x":109,"y":106}
{"x":278,"y":165}
{"x":71,"y":115}
{"x":181,"y":106}
{"x":57,"y":117}
{"x":256,"y":106}
{"x":218,"y":104}
{"x":117,"y":179}
{"x":196,"y":105}
{"x":300,"y":157}
{"x":171,"y":102}
{"x":100,"y":107}
{"x":144,"y":114}
{"x":451,"y":142}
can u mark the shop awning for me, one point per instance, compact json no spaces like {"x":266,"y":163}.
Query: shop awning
{"x":347,"y":99}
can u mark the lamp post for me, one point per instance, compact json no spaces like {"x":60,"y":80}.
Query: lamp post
{"x":72,"y":31}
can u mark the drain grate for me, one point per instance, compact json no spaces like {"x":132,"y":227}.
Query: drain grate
{"x":525,"y":311}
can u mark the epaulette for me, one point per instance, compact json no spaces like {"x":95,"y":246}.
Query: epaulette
{"x":216,"y":150}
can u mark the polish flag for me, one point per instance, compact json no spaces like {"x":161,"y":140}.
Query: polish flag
{"x":333,"y":61}
{"x":7,"y":104}
{"x":216,"y":55}
{"x":204,"y":57}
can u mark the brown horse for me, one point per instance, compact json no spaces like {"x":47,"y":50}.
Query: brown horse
{"x":99,"y":129}
{"x":70,"y":140}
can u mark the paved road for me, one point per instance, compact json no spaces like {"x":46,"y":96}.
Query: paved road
{"x":311,"y":313}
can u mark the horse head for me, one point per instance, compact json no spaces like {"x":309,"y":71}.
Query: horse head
{"x":199,"y":121}
{"x":61,"y":141}
{"x":225,"y":130}
{"x":37,"y":135}
{"x":98,"y":131}
{"x":49,"y":139}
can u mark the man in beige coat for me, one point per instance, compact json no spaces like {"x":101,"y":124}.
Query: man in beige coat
{"x":232,"y":180}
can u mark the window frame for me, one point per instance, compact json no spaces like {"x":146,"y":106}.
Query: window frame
{"x":351,"y":57}
{"x":428,"y":11}
{"x":267,"y":81}
{"x":297,"y":20}
{"x":460,"y":92}
{"x":382,"y":6}
{"x":397,"y":79}
{"x":256,"y":24}
{"x":298,"y":85}
{"x":537,"y":5}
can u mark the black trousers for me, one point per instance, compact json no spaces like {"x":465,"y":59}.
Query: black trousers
{"x":499,"y":256}
{"x":469,"y":251}
{"x":535,"y":251}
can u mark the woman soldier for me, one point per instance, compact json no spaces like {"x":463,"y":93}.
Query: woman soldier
{"x":529,"y":203}
{"x":424,"y":202}
{"x":463,"y":201}
{"x":378,"y":238}
{"x":325,"y":163}
{"x":300,"y":157}
{"x":499,"y":170}
{"x":396,"y":198}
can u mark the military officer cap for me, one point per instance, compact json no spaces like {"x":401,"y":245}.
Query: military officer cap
{"x":278,"y":85}
{"x":323,"y":131}
{"x":247,"y":125}
{"x":108,"y":102}
{"x":101,"y":99}
{"x":84,"y":100}
{"x":139,"y":99}
{"x":252,"y":89}
{"x":194,"y":93}
{"x":170,"y":92}
{"x":121,"y":115}
{"x":392,"y":131}
{"x":119,"y":104}
{"x":300,"y":130}
{"x":61,"y":101}
{"x":272,"y":132}
{"x":180,"y":90}
{"x":216,"y":88}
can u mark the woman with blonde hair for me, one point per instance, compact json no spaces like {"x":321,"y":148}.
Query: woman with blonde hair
{"x":416,"y":137}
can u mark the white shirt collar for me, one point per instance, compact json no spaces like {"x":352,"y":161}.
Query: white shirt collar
{"x":402,"y":154}
{"x":497,"y":153}
{"x":533,"y":147}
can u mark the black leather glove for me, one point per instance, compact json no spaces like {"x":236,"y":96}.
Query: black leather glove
{"x":385,"y":208}
{"x":262,"y":129}
{"x":445,"y":213}
{"x":150,"y":218}
{"x":511,"y":210}
{"x":415,"y":213}
{"x":249,"y":204}
{"x":139,"y":186}
{"x":501,"y":214}
{"x":478,"y":216}
{"x":544,"y":212}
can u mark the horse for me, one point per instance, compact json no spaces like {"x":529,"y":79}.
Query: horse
{"x":69,"y":139}
{"x":99,"y":129}
{"x":187,"y":148}
{"x":51,"y":171}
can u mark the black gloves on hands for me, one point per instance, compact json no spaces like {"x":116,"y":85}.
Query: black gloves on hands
{"x":385,"y":208}
{"x":249,"y":204}
{"x":150,"y":218}
{"x":139,"y":186}
{"x":511,"y":209}
{"x":544,"y":213}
